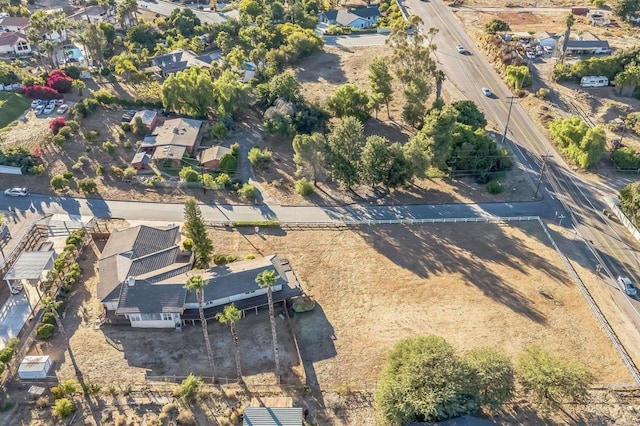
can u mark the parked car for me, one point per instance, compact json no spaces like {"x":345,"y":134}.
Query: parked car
{"x":39,"y":109}
{"x":628,"y":287}
{"x":16,"y":192}
{"x":461,"y":49}
{"x":16,"y":288}
{"x":49,"y":109}
{"x":35,"y":103}
{"x":487,"y":92}
{"x":59,"y":102}
{"x":530,"y":54}
{"x":62,"y":109}
{"x":52,"y":102}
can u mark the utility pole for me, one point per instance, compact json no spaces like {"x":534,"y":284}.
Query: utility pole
{"x":506,"y":126}
{"x":544,"y":167}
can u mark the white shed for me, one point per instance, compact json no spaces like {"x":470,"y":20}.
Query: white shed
{"x":35,"y":367}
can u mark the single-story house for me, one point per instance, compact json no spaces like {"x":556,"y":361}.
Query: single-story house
{"x":183,"y":132}
{"x":137,"y":251}
{"x":359,"y":17}
{"x":13,"y":24}
{"x":95,"y":14}
{"x":178,"y":60}
{"x":29,"y":268}
{"x":149,"y":118}
{"x":141,"y":161}
{"x":14,"y":43}
{"x":545,"y":39}
{"x":210,"y":157}
{"x":169,"y":156}
{"x":273,"y":412}
{"x":587,"y":47}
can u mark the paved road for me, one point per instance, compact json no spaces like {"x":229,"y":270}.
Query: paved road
{"x":564,"y":190}
{"x":165,"y":8}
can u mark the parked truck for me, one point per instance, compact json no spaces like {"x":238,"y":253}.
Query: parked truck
{"x":594,"y":81}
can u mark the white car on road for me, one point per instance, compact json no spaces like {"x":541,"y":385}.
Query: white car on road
{"x":461,"y":49}
{"x":487,"y":92}
{"x":626,"y":285}
{"x":16,"y":192}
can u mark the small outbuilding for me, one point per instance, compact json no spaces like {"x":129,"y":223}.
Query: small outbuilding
{"x":34,"y":367}
{"x":210,"y":157}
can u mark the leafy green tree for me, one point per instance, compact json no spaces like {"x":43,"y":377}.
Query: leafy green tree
{"x":551,"y":380}
{"x":416,"y":93}
{"x":285,"y":86}
{"x":230,"y":93}
{"x":267,"y":279}
{"x":416,"y":152}
{"x":126,"y":13}
{"x":309,"y":153}
{"x":124,"y":64}
{"x":259,"y":158}
{"x":349,"y":101}
{"x":630,"y":201}
{"x":58,"y":182}
{"x":380,"y":84}
{"x":189,"y":92}
{"x":475,"y":154}
{"x":582,"y":144}
{"x":518,"y":76}
{"x":188,"y":174}
{"x":231,"y":315}
{"x":87,"y":185}
{"x":196,"y":284}
{"x":424,"y":381}
{"x":195,"y":229}
{"x":382,"y":163}
{"x":495,"y":373}
{"x":628,"y":80}
{"x":497,"y":26}
{"x":144,"y":34}
{"x":469,"y":114}
{"x":626,"y":8}
{"x":79,"y":85}
{"x":438,"y":127}
{"x":94,"y":40}
{"x":345,"y":143}
{"x":183,"y":21}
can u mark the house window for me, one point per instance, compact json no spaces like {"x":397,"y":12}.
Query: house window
{"x":151,"y":317}
{"x":22,"y":46}
{"x":134,"y":317}
{"x":167,"y":317}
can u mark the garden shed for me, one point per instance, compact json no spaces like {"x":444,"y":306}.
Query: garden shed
{"x":35,"y":367}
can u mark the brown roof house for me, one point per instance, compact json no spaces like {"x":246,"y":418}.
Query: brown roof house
{"x":14,"y":43}
{"x":171,"y":140}
{"x":13,"y":24}
{"x":210,"y":157}
{"x":141,"y":161}
{"x":149,"y":119}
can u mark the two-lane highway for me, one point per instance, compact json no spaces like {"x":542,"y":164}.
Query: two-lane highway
{"x":562,"y":188}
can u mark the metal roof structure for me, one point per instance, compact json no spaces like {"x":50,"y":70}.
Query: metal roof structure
{"x":30,"y":265}
{"x":265,"y":416}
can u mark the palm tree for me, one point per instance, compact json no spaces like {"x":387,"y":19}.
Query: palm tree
{"x":230,"y":316}
{"x":569,"y":21}
{"x":266,"y":280}
{"x":197,"y":284}
{"x":440,"y":77}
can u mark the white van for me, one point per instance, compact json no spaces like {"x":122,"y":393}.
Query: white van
{"x":594,"y":81}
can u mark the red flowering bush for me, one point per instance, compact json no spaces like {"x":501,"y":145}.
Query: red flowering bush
{"x":59,"y":81}
{"x":40,"y":92}
{"x":57,"y":124}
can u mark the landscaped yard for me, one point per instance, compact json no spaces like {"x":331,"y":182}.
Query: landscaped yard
{"x":12,"y":105}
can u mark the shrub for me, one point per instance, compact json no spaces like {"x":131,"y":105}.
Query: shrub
{"x":187,"y":244}
{"x":44,"y":331}
{"x":109,"y":147}
{"x":87,"y":185}
{"x":186,"y":418}
{"x":58,"y":182}
{"x":67,"y":175}
{"x":189,"y":389}
{"x":543,"y":93}
{"x":232,"y":258}
{"x":235,"y":149}
{"x":304,"y":187}
{"x":218,"y":130}
{"x":99,"y":169}
{"x":63,"y":408}
{"x":494,"y":187}
{"x":77,"y":167}
{"x":247,"y":191}
{"x":1,"y":367}
{"x":259,"y":157}
{"x":48,"y":318}
{"x":105,"y":96}
{"x":219,"y":259}
{"x":129,"y":173}
{"x":228,"y":164}
{"x":58,"y":140}
{"x":117,"y":171}
{"x":187,"y":174}
{"x":59,"y":81}
{"x":125,"y":126}
{"x":6,"y":354}
{"x":223,"y":180}
{"x":138,"y":127}
{"x":91,"y":136}
{"x":40,"y":92}
{"x":57,"y":124}
{"x":65,"y":132}
{"x":72,"y":71}
{"x":626,"y":158}
{"x":73,"y":125}
{"x":249,"y":256}
{"x":36,"y":170}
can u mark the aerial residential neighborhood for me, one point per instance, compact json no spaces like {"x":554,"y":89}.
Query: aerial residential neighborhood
{"x":394,"y":212}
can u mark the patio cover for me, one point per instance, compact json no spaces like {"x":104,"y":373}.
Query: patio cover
{"x":29,"y":265}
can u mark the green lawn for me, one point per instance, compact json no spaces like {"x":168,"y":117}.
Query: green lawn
{"x":12,"y":105}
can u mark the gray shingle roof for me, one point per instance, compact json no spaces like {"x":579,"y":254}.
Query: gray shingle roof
{"x":236,"y":278}
{"x":265,"y":416}
{"x":147,"y":298}
{"x":141,"y":240}
{"x":29,"y":265}
{"x":179,"y":60}
{"x":587,"y":44}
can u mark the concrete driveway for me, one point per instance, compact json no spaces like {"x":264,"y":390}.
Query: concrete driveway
{"x":13,"y":316}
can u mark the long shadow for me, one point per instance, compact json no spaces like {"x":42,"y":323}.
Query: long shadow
{"x":329,"y":62}
{"x":432,"y":251}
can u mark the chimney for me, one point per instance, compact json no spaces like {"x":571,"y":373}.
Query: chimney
{"x":176,"y":130}
{"x":131,"y":281}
